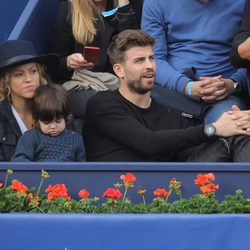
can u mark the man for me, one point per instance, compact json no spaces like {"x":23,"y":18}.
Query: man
{"x":129,"y":125}
{"x":193,"y":41}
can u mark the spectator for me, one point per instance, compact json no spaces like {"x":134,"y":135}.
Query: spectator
{"x":50,"y":140}
{"x":129,"y":125}
{"x":240,"y":53}
{"x":91,"y":23}
{"x":21,"y":72}
{"x":192,"y":51}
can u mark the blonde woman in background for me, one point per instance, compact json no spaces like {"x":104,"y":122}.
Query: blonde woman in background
{"x":92,"y":23}
{"x":21,"y":72}
{"x":83,"y":23}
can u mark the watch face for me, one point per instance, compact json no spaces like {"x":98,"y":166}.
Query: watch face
{"x":209,"y":130}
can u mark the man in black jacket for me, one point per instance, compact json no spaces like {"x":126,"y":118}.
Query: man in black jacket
{"x":128,"y":125}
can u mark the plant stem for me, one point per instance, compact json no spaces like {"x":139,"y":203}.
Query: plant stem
{"x":170,"y":192}
{"x":6,"y":179}
{"x":124,"y":196}
{"x":144,"y":201}
{"x":40,"y":186}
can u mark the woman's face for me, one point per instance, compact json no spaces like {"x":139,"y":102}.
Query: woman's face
{"x":23,"y":81}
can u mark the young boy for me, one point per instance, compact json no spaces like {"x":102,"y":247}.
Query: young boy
{"x":50,"y":140}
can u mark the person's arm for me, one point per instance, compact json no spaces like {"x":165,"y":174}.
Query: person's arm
{"x":63,"y":41}
{"x":25,"y":149}
{"x":80,"y":149}
{"x":240,"y":53}
{"x":106,"y":116}
{"x":153,"y":24}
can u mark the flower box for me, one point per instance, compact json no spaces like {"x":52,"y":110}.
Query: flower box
{"x":127,"y":231}
{"x":97,"y":177}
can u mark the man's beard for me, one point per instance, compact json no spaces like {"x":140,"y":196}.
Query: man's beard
{"x":136,"y":86}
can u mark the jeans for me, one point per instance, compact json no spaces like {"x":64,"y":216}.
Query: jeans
{"x":218,"y":108}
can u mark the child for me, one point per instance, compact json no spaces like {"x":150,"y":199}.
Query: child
{"x":50,"y":140}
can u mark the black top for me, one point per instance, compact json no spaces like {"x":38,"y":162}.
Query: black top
{"x":239,"y":38}
{"x":117,"y":130}
{"x":64,"y":43}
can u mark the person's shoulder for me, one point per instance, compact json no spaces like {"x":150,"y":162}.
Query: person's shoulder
{"x":71,"y":132}
{"x":31,"y":132}
{"x":64,"y":6}
{"x":101,"y":96}
{"x":4,"y":105}
{"x":75,"y":135}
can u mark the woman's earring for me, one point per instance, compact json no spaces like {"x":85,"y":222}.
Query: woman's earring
{"x":8,"y":92}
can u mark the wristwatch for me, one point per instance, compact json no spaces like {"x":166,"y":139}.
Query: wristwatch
{"x":209,"y":130}
{"x":236,"y":88}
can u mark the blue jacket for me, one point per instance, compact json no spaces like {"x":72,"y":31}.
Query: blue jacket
{"x":189,"y":34}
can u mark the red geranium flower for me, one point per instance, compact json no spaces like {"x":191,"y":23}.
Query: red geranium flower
{"x":112,"y":193}
{"x":18,"y":186}
{"x":30,"y":196}
{"x":128,"y":177}
{"x":161,"y":192}
{"x":209,"y":188}
{"x":55,"y":191}
{"x":83,"y":193}
{"x":203,"y":179}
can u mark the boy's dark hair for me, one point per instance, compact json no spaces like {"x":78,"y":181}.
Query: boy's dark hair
{"x":50,"y":102}
{"x":125,"y":40}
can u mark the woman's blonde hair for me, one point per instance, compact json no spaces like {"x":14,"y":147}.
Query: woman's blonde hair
{"x":84,"y":17}
{"x":5,"y":77}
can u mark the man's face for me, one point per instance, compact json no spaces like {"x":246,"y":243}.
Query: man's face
{"x":138,"y":69}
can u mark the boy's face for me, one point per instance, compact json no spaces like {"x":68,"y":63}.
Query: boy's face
{"x":53,"y":128}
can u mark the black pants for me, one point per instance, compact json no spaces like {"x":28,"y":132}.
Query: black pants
{"x":231,"y":149}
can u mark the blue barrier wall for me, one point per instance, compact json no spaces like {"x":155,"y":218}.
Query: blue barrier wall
{"x":10,"y":12}
{"x":31,"y":20}
{"x":124,"y":232}
{"x":97,"y":177}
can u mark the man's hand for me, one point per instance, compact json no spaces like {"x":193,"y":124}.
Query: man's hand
{"x":212,"y":89}
{"x":241,"y":118}
{"x":234,"y":122}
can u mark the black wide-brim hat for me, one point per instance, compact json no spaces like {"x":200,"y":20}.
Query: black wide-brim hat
{"x":18,"y":52}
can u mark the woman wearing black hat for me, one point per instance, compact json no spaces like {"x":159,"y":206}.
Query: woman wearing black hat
{"x":21,"y":72}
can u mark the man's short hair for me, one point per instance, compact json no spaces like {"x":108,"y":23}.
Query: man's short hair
{"x":125,"y":40}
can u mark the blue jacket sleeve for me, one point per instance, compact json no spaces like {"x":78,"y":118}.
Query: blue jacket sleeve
{"x":153,"y":24}
{"x":25,"y":150}
{"x":80,"y":150}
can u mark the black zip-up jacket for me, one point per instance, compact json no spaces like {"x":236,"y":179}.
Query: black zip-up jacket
{"x":9,"y":131}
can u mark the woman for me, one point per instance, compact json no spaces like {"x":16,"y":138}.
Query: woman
{"x":91,"y":23}
{"x":88,"y":22}
{"x":21,"y":72}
